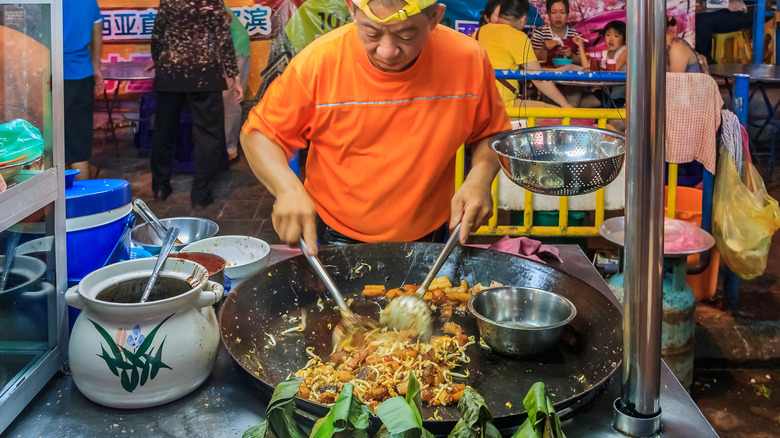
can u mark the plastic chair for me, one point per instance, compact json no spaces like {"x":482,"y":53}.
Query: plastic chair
{"x":731,"y":48}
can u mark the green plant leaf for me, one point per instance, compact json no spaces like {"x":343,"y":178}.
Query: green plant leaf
{"x":109,"y":340}
{"x":150,"y":337}
{"x":133,"y":358}
{"x":280,"y":410}
{"x":145,"y":372}
{"x":108,"y":359}
{"x":359,"y":414}
{"x":401,"y":415}
{"x":347,"y":417}
{"x":413,"y":397}
{"x":397,"y":416}
{"x":257,"y":431}
{"x":156,"y":361}
{"x":476,"y":419}
{"x":125,"y":380}
{"x":542,"y":420}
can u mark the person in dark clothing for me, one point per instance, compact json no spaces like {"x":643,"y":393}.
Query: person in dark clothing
{"x":737,"y":16}
{"x":194,"y":62}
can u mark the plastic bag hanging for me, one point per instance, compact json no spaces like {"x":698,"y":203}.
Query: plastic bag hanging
{"x":744,"y":217}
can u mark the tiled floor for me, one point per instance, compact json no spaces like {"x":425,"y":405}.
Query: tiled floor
{"x":242,"y":206}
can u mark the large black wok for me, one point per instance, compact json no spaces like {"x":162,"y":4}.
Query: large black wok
{"x":261,"y":307}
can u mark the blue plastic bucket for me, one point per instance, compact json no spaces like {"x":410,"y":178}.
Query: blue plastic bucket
{"x":90,"y":245}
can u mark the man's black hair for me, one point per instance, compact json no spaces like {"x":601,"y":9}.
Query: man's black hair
{"x":509,"y":9}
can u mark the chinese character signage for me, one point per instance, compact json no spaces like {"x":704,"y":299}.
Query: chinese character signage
{"x":134,"y":25}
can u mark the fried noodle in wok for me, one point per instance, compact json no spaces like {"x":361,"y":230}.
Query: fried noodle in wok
{"x":380,"y":369}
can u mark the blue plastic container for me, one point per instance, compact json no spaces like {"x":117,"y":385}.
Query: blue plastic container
{"x":97,"y":213}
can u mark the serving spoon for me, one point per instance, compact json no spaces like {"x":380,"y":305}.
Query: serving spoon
{"x":411,"y":311}
{"x":350,"y":321}
{"x":165,"y":249}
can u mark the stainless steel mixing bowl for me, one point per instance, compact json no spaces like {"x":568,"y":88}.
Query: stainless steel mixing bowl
{"x":560,"y":160}
{"x":191,"y":229}
{"x":521,"y":321}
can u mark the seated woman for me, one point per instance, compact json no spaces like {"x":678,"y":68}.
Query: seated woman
{"x":509,"y":48}
{"x":680,"y":56}
{"x":556,"y":39}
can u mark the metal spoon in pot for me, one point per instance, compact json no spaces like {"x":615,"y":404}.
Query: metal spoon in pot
{"x":350,"y":321}
{"x":165,"y":249}
{"x":146,"y":214}
{"x":411,"y":311}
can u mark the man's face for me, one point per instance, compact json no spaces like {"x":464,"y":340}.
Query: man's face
{"x":393,"y":47}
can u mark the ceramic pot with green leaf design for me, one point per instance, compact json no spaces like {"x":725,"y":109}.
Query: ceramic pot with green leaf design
{"x":133,"y":355}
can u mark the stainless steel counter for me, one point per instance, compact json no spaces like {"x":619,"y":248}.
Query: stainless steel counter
{"x":225,"y":405}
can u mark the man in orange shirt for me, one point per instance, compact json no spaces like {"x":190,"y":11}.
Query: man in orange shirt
{"x":383,"y":104}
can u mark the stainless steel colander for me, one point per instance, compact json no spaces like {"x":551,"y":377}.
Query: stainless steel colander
{"x":560,"y":160}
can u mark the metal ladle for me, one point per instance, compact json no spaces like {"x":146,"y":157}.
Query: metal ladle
{"x":146,"y":214}
{"x":10,"y":253}
{"x":411,"y":311}
{"x":349,"y":319}
{"x":165,"y":249}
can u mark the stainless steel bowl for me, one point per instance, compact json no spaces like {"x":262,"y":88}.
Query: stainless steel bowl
{"x":560,"y":160}
{"x":191,"y":229}
{"x":521,"y":321}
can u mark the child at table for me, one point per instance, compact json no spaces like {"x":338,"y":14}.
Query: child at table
{"x":556,"y":39}
{"x":614,"y":35}
{"x":615,"y":39}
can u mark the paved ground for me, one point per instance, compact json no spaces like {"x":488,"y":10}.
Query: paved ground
{"x":737,"y":352}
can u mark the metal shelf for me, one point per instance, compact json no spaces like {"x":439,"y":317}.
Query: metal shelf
{"x":33,"y":364}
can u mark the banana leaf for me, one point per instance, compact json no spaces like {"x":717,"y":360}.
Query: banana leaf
{"x":476,"y":421}
{"x":279,"y":421}
{"x":401,"y":416}
{"x":542,"y":421}
{"x":348,"y":417}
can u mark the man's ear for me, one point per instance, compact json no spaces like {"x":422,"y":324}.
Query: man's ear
{"x":438,"y":14}
{"x":351,"y":7}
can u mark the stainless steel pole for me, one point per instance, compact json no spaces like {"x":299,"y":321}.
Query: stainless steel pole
{"x":637,"y":411}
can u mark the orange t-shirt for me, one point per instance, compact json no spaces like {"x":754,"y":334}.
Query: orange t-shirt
{"x":381,"y":163}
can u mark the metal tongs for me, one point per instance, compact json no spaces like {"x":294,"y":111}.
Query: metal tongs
{"x":146,"y":214}
{"x":411,"y":311}
{"x":350,"y":321}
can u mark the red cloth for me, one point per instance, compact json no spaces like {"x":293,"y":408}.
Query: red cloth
{"x":693,"y":105}
{"x":525,"y":247}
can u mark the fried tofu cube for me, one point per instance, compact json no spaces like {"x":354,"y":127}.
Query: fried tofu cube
{"x":440,"y":283}
{"x":476,"y":288}
{"x":374,"y":291}
{"x":460,"y":297}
